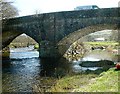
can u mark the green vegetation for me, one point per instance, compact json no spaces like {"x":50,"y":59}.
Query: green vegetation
{"x":105,"y":43}
{"x":105,"y":82}
{"x":36,"y":46}
{"x":69,"y":83}
{"x":5,"y":52}
{"x":108,"y":45}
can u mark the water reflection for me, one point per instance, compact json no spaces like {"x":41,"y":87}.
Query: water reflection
{"x":51,"y":68}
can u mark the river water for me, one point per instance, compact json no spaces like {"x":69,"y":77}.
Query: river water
{"x":21,"y":72}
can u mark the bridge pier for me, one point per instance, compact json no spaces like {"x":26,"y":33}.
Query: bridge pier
{"x":48,"y":49}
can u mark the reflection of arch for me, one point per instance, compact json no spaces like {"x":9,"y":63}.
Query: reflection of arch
{"x":65,"y":43}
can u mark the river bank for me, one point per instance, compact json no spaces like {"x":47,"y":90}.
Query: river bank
{"x":104,"y":82}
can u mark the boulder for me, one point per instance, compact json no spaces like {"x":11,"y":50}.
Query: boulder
{"x":102,"y":63}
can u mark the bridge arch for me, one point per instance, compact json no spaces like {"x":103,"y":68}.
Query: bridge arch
{"x":22,"y":40}
{"x":9,"y":36}
{"x":67,"y":41}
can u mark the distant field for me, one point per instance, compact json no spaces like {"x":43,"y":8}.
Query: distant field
{"x":103,"y":43}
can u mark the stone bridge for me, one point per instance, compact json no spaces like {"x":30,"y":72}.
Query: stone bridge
{"x":55,"y":32}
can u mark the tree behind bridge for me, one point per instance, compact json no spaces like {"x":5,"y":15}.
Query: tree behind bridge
{"x":7,"y":10}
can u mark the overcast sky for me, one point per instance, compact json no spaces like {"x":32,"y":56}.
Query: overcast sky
{"x":28,"y":7}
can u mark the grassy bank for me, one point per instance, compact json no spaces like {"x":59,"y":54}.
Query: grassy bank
{"x":69,"y":83}
{"x":105,"y":82}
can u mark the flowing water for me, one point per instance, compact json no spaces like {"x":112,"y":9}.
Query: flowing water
{"x":21,"y":72}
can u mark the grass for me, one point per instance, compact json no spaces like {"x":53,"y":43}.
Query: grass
{"x":103,"y":43}
{"x":69,"y":83}
{"x":105,"y":82}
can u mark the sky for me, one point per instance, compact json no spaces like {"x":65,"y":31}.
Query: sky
{"x":29,"y":7}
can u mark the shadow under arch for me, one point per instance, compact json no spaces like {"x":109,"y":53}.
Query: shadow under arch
{"x":67,"y":41}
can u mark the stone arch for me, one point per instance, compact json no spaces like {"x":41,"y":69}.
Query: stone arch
{"x":65,"y":43}
{"x":8,"y":37}
{"x":23,"y":40}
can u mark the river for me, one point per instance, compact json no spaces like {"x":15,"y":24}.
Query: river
{"x":24,"y":68}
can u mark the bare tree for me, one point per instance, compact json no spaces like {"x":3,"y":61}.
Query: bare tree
{"x":7,"y":10}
